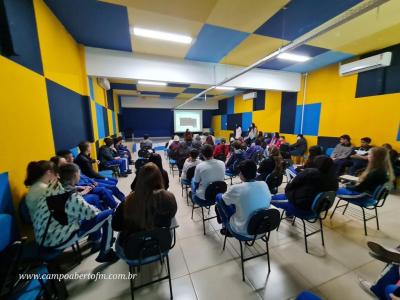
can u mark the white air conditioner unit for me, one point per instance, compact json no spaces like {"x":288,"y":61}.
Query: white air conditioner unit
{"x":249,"y":96}
{"x":366,"y":64}
{"x":104,"y":83}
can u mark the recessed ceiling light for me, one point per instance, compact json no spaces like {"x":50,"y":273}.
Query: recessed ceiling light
{"x":227,"y":88}
{"x":160,"y":35}
{"x":293,"y":57}
{"x":144,"y":82}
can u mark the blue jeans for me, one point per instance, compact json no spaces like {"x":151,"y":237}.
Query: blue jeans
{"x":357,"y":165}
{"x":101,"y":220}
{"x":105,"y":195}
{"x":122,"y":163}
{"x":114,"y":190}
{"x":107,"y":180}
{"x":224,"y":212}
{"x":390,"y":277}
{"x":94,"y":200}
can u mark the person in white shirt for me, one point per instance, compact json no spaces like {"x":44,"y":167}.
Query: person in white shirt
{"x":253,"y":131}
{"x":38,"y":176}
{"x":247,"y":198}
{"x":238,"y":131}
{"x":191,"y":161}
{"x":208,"y":171}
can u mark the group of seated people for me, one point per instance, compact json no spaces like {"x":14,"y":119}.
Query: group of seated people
{"x":114,"y":154}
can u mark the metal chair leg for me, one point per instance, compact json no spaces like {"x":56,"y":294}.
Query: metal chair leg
{"x":345,"y":208}
{"x":337,"y":203}
{"x":305,"y":235}
{"x":377,"y":220}
{"x":241,"y":259}
{"x":204,"y":222}
{"x":277,"y":228}
{"x":223,"y":248}
{"x":267,"y":246}
{"x":322,"y":232}
{"x":365,"y":221}
{"x":169,"y":278}
{"x":132,"y":282}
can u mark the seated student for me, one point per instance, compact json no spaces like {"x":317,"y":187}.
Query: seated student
{"x":221,"y":151}
{"x":253,"y":150}
{"x":247,"y":197}
{"x":122,"y":149}
{"x":156,"y":159}
{"x":273,"y":163}
{"x":147,"y":208}
{"x":359,"y":156}
{"x":206,"y":172}
{"x":85,"y":163}
{"x":191,"y":161}
{"x":303,"y":188}
{"x":108,"y":157}
{"x":82,"y":218}
{"x":146,"y":142}
{"x":275,"y":139}
{"x":314,"y":151}
{"x":379,"y":171}
{"x":196,"y":143}
{"x":103,"y":190}
{"x":281,"y":141}
{"x":341,"y":153}
{"x":236,"y":156}
{"x":388,"y":283}
{"x":209,"y":140}
{"x":182,"y":153}
{"x":394,"y":158}
{"x":39,"y":175}
{"x":300,"y":147}
{"x":173,"y":147}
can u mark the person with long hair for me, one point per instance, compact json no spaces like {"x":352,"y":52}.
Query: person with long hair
{"x":150,"y":206}
{"x":379,"y":171}
{"x":39,"y":175}
{"x":301,"y":191}
{"x":156,"y":159}
{"x":273,"y":163}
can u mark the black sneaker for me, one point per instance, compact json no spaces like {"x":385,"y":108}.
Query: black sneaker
{"x":96,"y":246}
{"x":390,"y":254}
{"x":128,"y":172}
{"x":109,"y":257}
{"x":123,"y":175}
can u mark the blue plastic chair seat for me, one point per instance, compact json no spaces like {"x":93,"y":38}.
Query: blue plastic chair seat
{"x":299,"y":213}
{"x":229,"y":174}
{"x":241,"y":237}
{"x":363,"y":202}
{"x":33,"y":288}
{"x":201,"y":202}
{"x":185,"y":182}
{"x":106,"y":173}
{"x":172,"y":161}
{"x":145,"y":261}
{"x":6,"y":231}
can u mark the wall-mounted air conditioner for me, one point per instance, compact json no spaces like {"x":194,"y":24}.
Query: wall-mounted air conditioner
{"x":104,"y":83}
{"x":250,"y":96}
{"x":366,"y":64}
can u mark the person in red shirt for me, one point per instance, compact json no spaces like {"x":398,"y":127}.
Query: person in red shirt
{"x":221,"y":151}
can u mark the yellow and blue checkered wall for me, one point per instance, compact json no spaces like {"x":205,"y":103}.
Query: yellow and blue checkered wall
{"x":45,"y":104}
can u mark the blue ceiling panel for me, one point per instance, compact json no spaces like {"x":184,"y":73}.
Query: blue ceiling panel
{"x":123,"y":86}
{"x":301,"y":16}
{"x":214,"y":42}
{"x":94,"y":23}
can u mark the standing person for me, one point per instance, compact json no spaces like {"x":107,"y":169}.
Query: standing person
{"x":252,"y":133}
{"x":238,"y":131}
{"x":188,"y":136}
{"x":221,"y":151}
{"x":300,"y":147}
{"x":341,"y":153}
{"x":206,"y":172}
{"x":379,"y":171}
{"x":359,"y":156}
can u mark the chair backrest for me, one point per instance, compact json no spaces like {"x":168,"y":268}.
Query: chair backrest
{"x":323,"y":202}
{"x":380,"y":194}
{"x":24,"y":212}
{"x":263,"y":221}
{"x":215,"y":188}
{"x":56,"y":205}
{"x":274,"y":180}
{"x":144,"y":153}
{"x":147,"y":243}
{"x":190,"y":173}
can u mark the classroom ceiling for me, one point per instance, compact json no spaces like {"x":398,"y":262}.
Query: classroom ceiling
{"x":127,"y":87}
{"x":233,"y":32}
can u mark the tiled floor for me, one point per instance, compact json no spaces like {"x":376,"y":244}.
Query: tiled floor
{"x":201,"y":270}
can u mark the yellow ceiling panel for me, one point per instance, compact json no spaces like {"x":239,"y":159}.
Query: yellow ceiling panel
{"x":155,"y":88}
{"x":195,"y":10}
{"x":184,"y":96}
{"x":125,"y":92}
{"x":156,"y":21}
{"x":359,"y":35}
{"x":126,"y":81}
{"x":243,"y":15}
{"x":252,"y":49}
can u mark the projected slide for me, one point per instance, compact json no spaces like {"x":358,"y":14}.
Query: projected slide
{"x":188,"y":119}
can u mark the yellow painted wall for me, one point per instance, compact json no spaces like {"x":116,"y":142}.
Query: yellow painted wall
{"x":241,"y":105}
{"x":62,"y":57}
{"x":25,"y":124}
{"x":268,"y":120}
{"x":99,"y":93}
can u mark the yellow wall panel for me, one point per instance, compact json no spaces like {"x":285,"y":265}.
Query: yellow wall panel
{"x":268,"y":120}
{"x":94,"y":120}
{"x":110,"y":122}
{"x":25,"y":124}
{"x":241,"y":105}
{"x":61,"y":55}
